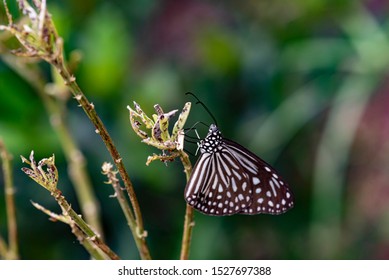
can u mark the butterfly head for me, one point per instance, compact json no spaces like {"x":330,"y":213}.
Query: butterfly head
{"x":211,"y":143}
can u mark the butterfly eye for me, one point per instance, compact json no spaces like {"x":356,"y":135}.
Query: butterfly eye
{"x":229,"y":179}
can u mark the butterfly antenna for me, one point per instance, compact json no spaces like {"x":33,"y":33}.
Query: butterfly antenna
{"x":202,"y":104}
{"x":193,"y":127}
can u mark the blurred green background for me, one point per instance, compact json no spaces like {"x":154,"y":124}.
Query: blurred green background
{"x":303,"y":84}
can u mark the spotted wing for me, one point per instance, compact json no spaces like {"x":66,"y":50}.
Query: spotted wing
{"x":270,"y":193}
{"x":218,"y":185}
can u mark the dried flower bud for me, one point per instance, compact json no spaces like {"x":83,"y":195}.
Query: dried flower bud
{"x":35,"y":32}
{"x":46,"y":178}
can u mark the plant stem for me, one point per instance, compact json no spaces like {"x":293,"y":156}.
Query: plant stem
{"x":189,"y":213}
{"x":124,"y":206}
{"x":84,"y":227}
{"x":92,"y":249}
{"x":10,"y":203}
{"x":90,"y":111}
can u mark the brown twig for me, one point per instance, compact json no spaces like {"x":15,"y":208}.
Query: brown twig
{"x":112,"y":180}
{"x":90,"y":111}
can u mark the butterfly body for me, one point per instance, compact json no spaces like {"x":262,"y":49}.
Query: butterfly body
{"x":228,"y":179}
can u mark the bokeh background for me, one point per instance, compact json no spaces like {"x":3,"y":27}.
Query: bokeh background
{"x":303,"y":84}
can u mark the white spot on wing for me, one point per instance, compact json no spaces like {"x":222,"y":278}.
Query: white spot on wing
{"x":244,"y":186}
{"x":256,"y":181}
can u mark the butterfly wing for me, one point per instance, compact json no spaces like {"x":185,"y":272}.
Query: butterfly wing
{"x":229,"y":179}
{"x":218,"y":184}
{"x":270,"y":193}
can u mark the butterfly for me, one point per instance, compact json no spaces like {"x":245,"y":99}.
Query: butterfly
{"x":228,"y":179}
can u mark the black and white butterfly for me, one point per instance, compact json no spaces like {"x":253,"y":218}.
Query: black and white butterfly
{"x":228,"y":179}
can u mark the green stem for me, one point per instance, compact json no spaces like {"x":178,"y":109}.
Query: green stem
{"x":84,"y":227}
{"x":10,"y":203}
{"x":92,"y":249}
{"x":189,"y":213}
{"x":130,"y":218}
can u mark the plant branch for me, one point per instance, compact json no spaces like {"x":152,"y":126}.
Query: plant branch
{"x":172,"y":147}
{"x":90,"y":111}
{"x":84,"y":227}
{"x":112,"y":180}
{"x":189,"y":213}
{"x":94,"y":251}
{"x":86,"y":242}
{"x":9,"y":202}
{"x":45,"y":173}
